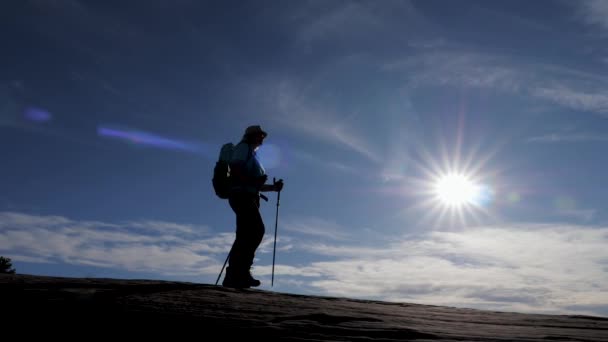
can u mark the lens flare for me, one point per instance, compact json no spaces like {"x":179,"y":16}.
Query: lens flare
{"x":269,"y":155}
{"x":37,"y":114}
{"x":151,"y":140}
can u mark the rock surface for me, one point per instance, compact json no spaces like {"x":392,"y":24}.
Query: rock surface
{"x":81,"y":307}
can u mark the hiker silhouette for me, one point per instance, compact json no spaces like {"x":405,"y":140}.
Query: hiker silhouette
{"x":248,"y":180}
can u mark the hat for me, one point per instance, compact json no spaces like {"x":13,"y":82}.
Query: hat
{"x":254,"y":130}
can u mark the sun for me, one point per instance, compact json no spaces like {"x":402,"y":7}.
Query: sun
{"x":456,"y":190}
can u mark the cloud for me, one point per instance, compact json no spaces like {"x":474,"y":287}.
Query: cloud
{"x":566,"y":87}
{"x":458,"y":68}
{"x":321,"y":124}
{"x":509,"y":18}
{"x":320,"y":161}
{"x":575,"y":98}
{"x":319,"y":104}
{"x":144,"y":246}
{"x":317,"y":227}
{"x":526,"y":268}
{"x":530,"y":268}
{"x":568,"y":137}
{"x":298,"y":112}
{"x":355,"y":22}
{"x":160,"y":227}
{"x":595,"y":12}
{"x":343,"y":20}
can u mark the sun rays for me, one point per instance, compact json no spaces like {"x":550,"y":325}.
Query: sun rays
{"x":451,"y":189}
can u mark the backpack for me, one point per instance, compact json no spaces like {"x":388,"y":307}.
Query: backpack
{"x":221,"y":172}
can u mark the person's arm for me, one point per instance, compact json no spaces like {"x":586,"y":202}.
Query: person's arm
{"x":277,"y":186}
{"x":268,"y":187}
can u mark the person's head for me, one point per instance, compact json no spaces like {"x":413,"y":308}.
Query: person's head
{"x":254,"y":135}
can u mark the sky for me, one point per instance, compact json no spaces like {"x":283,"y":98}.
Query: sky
{"x":435,"y":152}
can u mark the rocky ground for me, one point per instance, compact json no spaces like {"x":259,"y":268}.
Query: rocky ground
{"x":83,"y":308}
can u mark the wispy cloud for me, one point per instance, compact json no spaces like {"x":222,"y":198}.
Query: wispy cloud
{"x":595,"y":12}
{"x":575,"y":98}
{"x":145,"y":246}
{"x":317,"y":227}
{"x":313,"y":104}
{"x":297,"y":112}
{"x":568,"y":137}
{"x":509,"y":18}
{"x":344,"y":22}
{"x":570,"y":88}
{"x":500,"y":267}
{"x":459,"y":68}
{"x":336,"y":21}
{"x":322,"y":161}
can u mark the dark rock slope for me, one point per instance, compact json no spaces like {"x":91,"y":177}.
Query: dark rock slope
{"x":83,"y":308}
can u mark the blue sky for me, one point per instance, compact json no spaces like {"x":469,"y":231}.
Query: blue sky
{"x":112,"y":115}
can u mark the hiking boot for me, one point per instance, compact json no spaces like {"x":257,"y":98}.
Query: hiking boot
{"x":235,"y":283}
{"x":251,"y":280}
{"x":239,"y":280}
{"x":232,"y":279}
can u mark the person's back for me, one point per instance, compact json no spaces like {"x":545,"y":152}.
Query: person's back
{"x":249,"y":179}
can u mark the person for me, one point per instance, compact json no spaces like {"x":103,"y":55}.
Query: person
{"x":249,"y":179}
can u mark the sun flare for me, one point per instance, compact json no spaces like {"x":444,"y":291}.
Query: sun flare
{"x":452,"y":188}
{"x":456,"y":190}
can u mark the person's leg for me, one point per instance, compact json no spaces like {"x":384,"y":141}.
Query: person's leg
{"x":249,"y":235}
{"x":254,"y":235}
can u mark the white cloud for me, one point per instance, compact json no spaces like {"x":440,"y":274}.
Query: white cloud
{"x":8,"y":219}
{"x":509,"y":18}
{"x":339,"y":22}
{"x":529,"y":268}
{"x":595,"y":12}
{"x":525,"y":268}
{"x":318,"y":228}
{"x":298,"y":113}
{"x":146,"y":246}
{"x":459,"y":69}
{"x":309,"y":105}
{"x":167,"y":227}
{"x":566,"y":87}
{"x":575,"y":97}
{"x":320,"y":161}
{"x":568,"y":137}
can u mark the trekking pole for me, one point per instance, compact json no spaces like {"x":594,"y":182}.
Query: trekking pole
{"x":222,"y":271}
{"x":275,"y":233}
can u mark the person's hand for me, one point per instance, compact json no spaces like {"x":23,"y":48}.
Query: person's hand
{"x":278,"y":185}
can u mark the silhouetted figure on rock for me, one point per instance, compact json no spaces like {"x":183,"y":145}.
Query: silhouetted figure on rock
{"x":249,"y":179}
